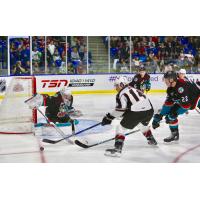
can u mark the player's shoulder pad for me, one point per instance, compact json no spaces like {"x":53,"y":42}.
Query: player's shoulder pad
{"x":181,"y":81}
{"x":136,"y":77}
{"x":121,"y":92}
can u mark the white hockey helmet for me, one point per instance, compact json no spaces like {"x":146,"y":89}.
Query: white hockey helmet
{"x":121,"y":81}
{"x":182,"y":71}
{"x":66,"y":91}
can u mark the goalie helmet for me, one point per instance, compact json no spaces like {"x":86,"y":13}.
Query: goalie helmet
{"x":142,"y":68}
{"x":66,"y":91}
{"x":121,"y":81}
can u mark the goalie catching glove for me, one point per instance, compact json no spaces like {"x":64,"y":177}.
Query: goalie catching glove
{"x":35,"y":102}
{"x":61,"y":114}
{"x":107,"y":119}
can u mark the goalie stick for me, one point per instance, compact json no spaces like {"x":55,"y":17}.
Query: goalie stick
{"x":85,"y":146}
{"x":69,"y":136}
{"x":197,"y":110}
{"x":62,"y":134}
{"x":58,"y":129}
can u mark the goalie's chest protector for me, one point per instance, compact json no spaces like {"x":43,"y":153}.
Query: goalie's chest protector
{"x":54,"y":103}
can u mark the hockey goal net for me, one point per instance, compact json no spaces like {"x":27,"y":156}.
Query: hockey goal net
{"x":15,"y":116}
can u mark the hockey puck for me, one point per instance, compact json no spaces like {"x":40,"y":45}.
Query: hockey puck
{"x":41,"y":148}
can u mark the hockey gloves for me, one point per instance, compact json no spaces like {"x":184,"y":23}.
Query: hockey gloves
{"x":148,"y":88}
{"x":156,"y":120}
{"x":35,"y":102}
{"x":61,"y":114}
{"x":107,"y":119}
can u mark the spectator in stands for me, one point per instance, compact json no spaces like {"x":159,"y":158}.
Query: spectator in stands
{"x":36,"y":68}
{"x":19,"y":70}
{"x":122,"y":66}
{"x":25,"y":53}
{"x":56,"y":56}
{"x":50,"y":52}
{"x":36,"y":55}
{"x":51,"y":48}
{"x":81,"y":50}
{"x":75,"y":59}
{"x":197,"y":60}
{"x":136,"y":62}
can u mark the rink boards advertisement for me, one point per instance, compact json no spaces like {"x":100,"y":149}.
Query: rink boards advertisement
{"x":87,"y":84}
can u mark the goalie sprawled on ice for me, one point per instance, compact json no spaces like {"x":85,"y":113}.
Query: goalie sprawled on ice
{"x":59,"y":107}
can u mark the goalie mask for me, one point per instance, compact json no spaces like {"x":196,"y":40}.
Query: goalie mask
{"x":66,"y":95}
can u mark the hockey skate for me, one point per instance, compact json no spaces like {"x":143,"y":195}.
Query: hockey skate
{"x":151,"y":140}
{"x":113,"y":152}
{"x":173,"y":137}
{"x":116,"y":151}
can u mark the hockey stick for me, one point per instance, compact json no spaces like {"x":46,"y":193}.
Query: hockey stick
{"x":85,"y":146}
{"x":56,"y":128}
{"x":69,"y":136}
{"x":197,"y":110}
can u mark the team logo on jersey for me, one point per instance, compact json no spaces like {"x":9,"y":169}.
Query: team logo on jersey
{"x":2,"y":85}
{"x":135,"y":79}
{"x":180,"y":90}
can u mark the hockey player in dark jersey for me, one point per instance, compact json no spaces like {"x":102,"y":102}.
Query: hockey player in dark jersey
{"x":181,"y":97}
{"x":182,"y":76}
{"x":59,"y":107}
{"x":141,"y":81}
{"x":135,"y":109}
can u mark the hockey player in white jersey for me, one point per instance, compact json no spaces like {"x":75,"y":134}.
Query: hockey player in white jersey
{"x":135,"y":109}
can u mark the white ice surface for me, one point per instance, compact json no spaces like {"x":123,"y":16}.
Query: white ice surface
{"x":25,"y":148}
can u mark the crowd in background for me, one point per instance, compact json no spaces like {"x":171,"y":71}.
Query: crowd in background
{"x":38,"y":54}
{"x":3,"y":54}
{"x":56,"y":54}
{"x":77,"y":54}
{"x":155,"y":53}
{"x":20,"y":56}
{"x":120,"y":53}
{"x":61,"y":55}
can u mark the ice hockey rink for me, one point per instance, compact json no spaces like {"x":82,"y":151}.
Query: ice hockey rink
{"x":26,"y":148}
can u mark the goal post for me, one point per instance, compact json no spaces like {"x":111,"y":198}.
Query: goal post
{"x":15,"y":115}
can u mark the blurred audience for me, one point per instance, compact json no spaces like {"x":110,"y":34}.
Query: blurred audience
{"x":3,"y":56}
{"x":158,"y":51}
{"x":120,"y":53}
{"x":38,"y":54}
{"x":20,"y":56}
{"x":78,"y":55}
{"x":56,"y":54}
{"x":127,"y":54}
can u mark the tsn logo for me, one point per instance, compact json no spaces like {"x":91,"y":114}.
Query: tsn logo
{"x":54,"y":83}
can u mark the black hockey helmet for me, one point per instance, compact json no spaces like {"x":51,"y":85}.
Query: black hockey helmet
{"x":170,"y":75}
{"x":142,"y":68}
